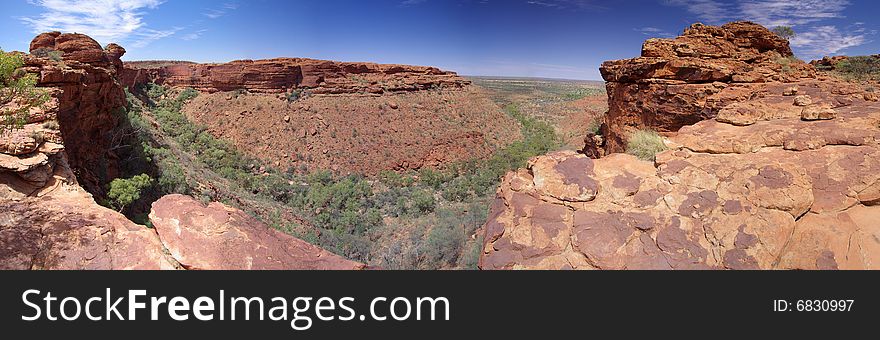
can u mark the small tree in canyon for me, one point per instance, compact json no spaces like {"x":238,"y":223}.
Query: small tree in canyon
{"x":124,"y":192}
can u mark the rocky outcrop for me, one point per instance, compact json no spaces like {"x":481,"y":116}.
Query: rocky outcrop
{"x":88,"y":100}
{"x":761,"y":186}
{"x":681,"y":81}
{"x":286,"y":74}
{"x":219,"y":237}
{"x":49,"y":221}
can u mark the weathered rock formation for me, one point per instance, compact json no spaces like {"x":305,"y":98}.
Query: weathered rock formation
{"x":681,"y":81}
{"x":219,"y":237}
{"x":285,"y":74}
{"x":760,"y":186}
{"x":49,"y":221}
{"x":89,"y":99}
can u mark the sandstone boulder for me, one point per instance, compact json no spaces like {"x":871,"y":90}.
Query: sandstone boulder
{"x":681,"y":81}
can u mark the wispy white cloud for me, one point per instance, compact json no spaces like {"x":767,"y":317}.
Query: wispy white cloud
{"x":826,"y":40}
{"x":567,"y":4}
{"x":711,"y":11}
{"x":412,"y":2}
{"x":654,"y":32}
{"x":104,"y":20}
{"x":193,"y":35}
{"x":214,"y":13}
{"x":791,"y":12}
{"x":815,"y":38}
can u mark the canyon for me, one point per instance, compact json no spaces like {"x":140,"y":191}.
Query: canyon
{"x":52,"y":168}
{"x":360,"y":118}
{"x":769,"y":163}
{"x":769,"y":166}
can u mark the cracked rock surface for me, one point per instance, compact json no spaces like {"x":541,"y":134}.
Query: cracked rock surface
{"x":755,"y":187}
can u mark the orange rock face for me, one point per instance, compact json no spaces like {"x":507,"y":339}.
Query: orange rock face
{"x":219,"y":237}
{"x":760,"y":186}
{"x":681,"y":81}
{"x":284,"y":74}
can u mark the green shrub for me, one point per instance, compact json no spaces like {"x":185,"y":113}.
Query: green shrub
{"x":785,"y":63}
{"x":434,"y":179}
{"x":18,"y":92}
{"x":123,"y":192}
{"x":645,"y":144}
{"x":294,"y":95}
{"x":154,"y":91}
{"x":187,"y":94}
{"x":423,"y":202}
{"x":48,"y":53}
{"x":860,"y":67}
{"x":784,"y":32}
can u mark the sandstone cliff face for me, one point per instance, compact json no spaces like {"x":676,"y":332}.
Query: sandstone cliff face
{"x":48,"y":220}
{"x":88,"y":98}
{"x":285,"y":74}
{"x":681,"y":81}
{"x":788,"y":178}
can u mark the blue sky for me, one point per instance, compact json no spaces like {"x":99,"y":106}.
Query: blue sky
{"x":540,"y":38}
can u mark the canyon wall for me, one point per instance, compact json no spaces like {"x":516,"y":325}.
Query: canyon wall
{"x":766,"y":169}
{"x":285,"y":74}
{"x":51,"y":167}
{"x":307,"y":115}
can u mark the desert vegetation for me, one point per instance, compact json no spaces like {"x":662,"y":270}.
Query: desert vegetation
{"x":18,"y":92}
{"x":645,"y":144}
{"x":784,"y":32}
{"x":425,"y":219}
{"x":859,"y":68}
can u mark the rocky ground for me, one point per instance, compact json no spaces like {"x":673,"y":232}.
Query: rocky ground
{"x":769,"y":167}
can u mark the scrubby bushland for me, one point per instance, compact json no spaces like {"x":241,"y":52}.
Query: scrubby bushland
{"x":645,"y":144}
{"x":18,"y":92}
{"x":785,"y":63}
{"x":423,"y":219}
{"x":859,"y":67}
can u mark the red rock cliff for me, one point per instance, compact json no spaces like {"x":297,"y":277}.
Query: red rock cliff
{"x":89,"y":99}
{"x":283,"y":74}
